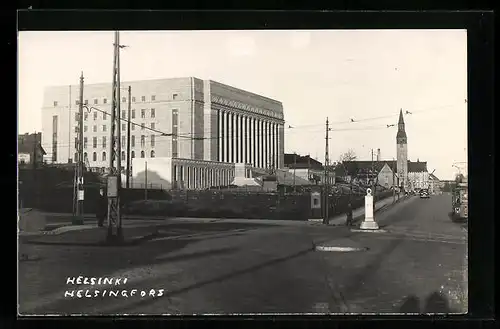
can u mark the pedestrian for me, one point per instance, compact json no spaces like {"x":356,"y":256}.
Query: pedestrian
{"x":349,"y":214}
{"x":102,"y":208}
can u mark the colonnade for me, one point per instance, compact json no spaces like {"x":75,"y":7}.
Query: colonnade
{"x":248,"y":139}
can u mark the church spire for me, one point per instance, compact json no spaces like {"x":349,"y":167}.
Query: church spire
{"x":401,"y":135}
{"x":401,"y":120}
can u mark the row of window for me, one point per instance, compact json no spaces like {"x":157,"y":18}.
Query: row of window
{"x":103,"y":155}
{"x":152,"y":125}
{"x":123,"y":116}
{"x":152,"y":140}
{"x":124,"y":100}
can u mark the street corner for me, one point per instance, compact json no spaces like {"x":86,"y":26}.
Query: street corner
{"x":343,"y":244}
{"x":91,"y":237}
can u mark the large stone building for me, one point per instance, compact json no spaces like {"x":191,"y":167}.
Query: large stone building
{"x":180,"y":118}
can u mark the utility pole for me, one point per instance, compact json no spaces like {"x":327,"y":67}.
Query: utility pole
{"x":294,"y":167}
{"x":393,"y":183}
{"x":373,"y":181}
{"x":145,"y":180}
{"x":128,"y":135}
{"x":80,"y":192}
{"x":35,"y":159}
{"x":327,"y":192}
{"x":115,"y":233}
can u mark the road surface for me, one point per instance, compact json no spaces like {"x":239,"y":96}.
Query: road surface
{"x":207,"y":267}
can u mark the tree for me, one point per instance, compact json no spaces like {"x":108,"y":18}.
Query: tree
{"x":350,"y":155}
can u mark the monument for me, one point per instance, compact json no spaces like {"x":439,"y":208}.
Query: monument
{"x":369,"y":223}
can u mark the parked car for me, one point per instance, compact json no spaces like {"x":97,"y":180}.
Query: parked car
{"x":424,"y":194}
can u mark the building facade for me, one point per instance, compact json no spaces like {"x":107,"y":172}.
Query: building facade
{"x":186,"y":174}
{"x":185,"y":118}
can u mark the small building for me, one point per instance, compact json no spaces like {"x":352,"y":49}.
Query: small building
{"x":29,"y":149}
{"x":434,"y":184}
{"x":306,"y":168}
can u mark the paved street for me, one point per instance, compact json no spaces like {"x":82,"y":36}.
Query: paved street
{"x":233,"y":266}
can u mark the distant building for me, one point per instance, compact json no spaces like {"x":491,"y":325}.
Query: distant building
{"x":435,"y":185}
{"x":212,"y":124}
{"x":29,"y":149}
{"x":307,"y":169}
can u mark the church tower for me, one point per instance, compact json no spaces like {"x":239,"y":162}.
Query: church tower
{"x":402,"y":152}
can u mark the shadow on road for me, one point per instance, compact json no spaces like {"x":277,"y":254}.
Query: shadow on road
{"x":195,"y":255}
{"x":221,"y":278}
{"x":434,"y":303}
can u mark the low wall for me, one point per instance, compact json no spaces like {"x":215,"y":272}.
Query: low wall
{"x":251,"y":205}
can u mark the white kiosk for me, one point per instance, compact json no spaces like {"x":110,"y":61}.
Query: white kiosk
{"x":369,"y":223}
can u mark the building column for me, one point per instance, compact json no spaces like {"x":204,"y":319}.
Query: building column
{"x":228,"y":137}
{"x":245,"y":139}
{"x":254,"y":142}
{"x":220,"y":136}
{"x":262,"y":144}
{"x":273,"y":149}
{"x":237,"y":136}
{"x":259,"y":143}
{"x":242,"y":138}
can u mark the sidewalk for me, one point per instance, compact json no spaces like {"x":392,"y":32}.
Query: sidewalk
{"x":358,"y":214}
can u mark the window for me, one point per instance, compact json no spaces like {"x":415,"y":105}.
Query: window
{"x":85,"y":156}
{"x":77,"y":102}
{"x":94,"y":128}
{"x":143,"y":98}
{"x":86,"y":115}
{"x":143,"y":113}
{"x":86,"y":102}
{"x":103,"y":156}
{"x":174,"y":96}
{"x":152,"y":140}
{"x":123,"y":155}
{"x":153,"y":98}
{"x":124,"y":114}
{"x":133,"y":114}
{"x":95,"y":101}
{"x":104,"y":142}
{"x":85,"y":128}
{"x":77,"y":116}
{"x":104,"y":115}
{"x":103,"y":127}
{"x":76,"y":157}
{"x":124,"y":126}
{"x":142,"y":126}
{"x":124,"y":140}
{"x":153,"y":113}
{"x":94,"y":156}
{"x":76,"y":143}
{"x":152,"y":125}
{"x":152,"y":154}
{"x":124,"y":99}
{"x":76,"y":130}
{"x":132,"y":154}
{"x":133,"y":99}
{"x":132,"y":126}
{"x":55,"y":103}
{"x":94,"y":142}
{"x":132,"y":141}
{"x":104,"y":101}
{"x":142,"y":154}
{"x":95,"y":116}
{"x":85,"y":142}
{"x":143,"y":140}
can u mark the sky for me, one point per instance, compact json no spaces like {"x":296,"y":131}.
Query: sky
{"x":365,"y":76}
